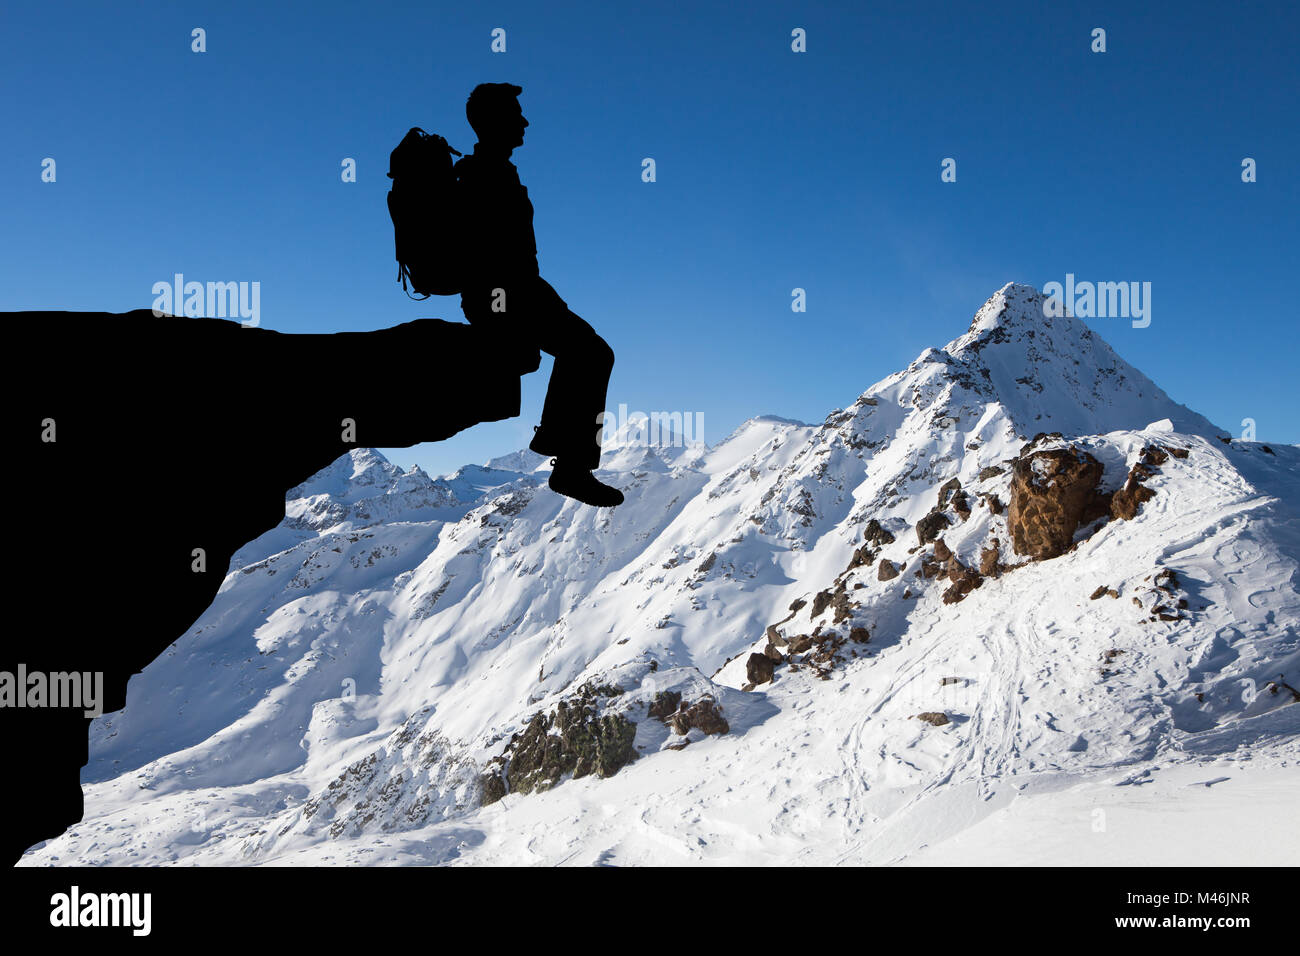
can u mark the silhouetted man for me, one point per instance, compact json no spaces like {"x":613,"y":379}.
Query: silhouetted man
{"x":503,"y":290}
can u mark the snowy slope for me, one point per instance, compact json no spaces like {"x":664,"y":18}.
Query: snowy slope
{"x":366,"y":662}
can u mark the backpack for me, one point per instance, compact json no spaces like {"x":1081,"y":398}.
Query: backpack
{"x":422,"y":204}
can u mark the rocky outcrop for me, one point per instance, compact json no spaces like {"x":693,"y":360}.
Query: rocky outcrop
{"x":930,"y":568}
{"x":664,"y":705}
{"x":1125,"y":503}
{"x":949,"y":488}
{"x":961,"y":505}
{"x":578,"y":738}
{"x":1053,"y":493}
{"x":929,"y":527}
{"x":218,"y":483}
{"x":990,"y":567}
{"x":759,"y":668}
{"x":705,"y":715}
{"x":888,"y":570}
{"x":841,"y":605}
{"x":964,"y":580}
{"x":877,"y":535}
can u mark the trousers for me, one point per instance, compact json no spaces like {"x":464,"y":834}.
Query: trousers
{"x":529,"y":315}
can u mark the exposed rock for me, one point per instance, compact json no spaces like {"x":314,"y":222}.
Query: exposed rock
{"x":929,"y":568}
{"x":989,"y":566}
{"x":963,"y":582}
{"x":1053,"y":493}
{"x":941,"y":550}
{"x":1042,"y":437}
{"x":876,"y":537}
{"x":758,"y":669}
{"x":800,"y":644}
{"x":1183,"y":452}
{"x":774,"y":637}
{"x":875,"y":534}
{"x":1154,"y":455}
{"x":1124,"y":504}
{"x":961,"y":505}
{"x":888,"y":570}
{"x":821,"y":600}
{"x":862,"y":556}
{"x":946,"y":490}
{"x":992,"y":471}
{"x":1274,"y":687}
{"x":929,"y":527}
{"x":859,"y":635}
{"x":843,"y":607}
{"x":574,"y":739}
{"x":772,"y":654}
{"x":664,"y":704}
{"x":704,"y":715}
{"x":493,"y":787}
{"x":934,"y":718}
{"x":1101,"y":589}
{"x":994,"y":503}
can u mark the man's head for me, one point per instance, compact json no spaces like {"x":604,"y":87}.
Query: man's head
{"x":493,"y":111}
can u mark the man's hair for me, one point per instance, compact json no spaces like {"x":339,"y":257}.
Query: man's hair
{"x":486,"y":101}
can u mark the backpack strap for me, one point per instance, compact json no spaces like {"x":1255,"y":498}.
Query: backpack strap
{"x":403,"y":270}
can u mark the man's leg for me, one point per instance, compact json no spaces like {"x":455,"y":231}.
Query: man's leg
{"x":579,"y":383}
{"x":511,"y":338}
{"x":575,"y":397}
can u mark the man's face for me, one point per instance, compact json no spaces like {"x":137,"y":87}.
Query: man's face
{"x":513,"y":125}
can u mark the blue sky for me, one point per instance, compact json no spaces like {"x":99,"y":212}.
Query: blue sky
{"x":775,"y":170}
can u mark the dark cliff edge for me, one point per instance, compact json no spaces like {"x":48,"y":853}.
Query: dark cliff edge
{"x":171,"y":435}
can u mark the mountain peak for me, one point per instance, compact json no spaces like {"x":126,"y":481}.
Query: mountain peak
{"x":1014,"y":306}
{"x":1050,"y":372}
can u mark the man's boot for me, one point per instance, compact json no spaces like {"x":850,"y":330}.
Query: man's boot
{"x":543,"y":443}
{"x":576,"y":482}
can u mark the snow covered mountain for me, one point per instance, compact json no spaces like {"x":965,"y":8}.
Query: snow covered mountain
{"x":1009,"y":588}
